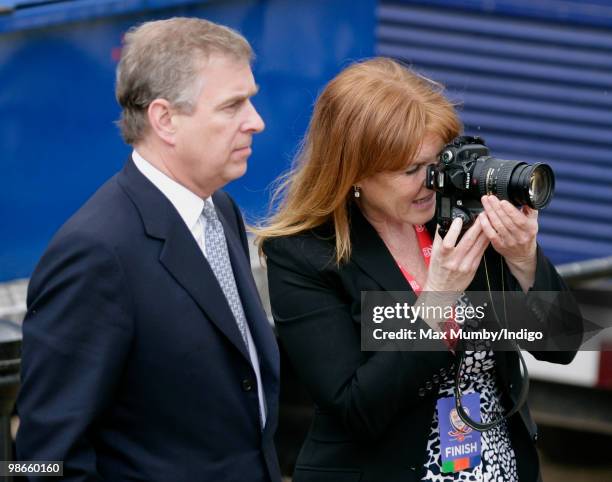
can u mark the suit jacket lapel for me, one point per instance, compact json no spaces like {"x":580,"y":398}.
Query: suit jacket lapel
{"x":267,"y":349}
{"x":251,"y":302}
{"x":180,"y":254}
{"x":183,"y":258}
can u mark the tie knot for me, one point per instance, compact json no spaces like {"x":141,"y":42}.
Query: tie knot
{"x":208,"y":211}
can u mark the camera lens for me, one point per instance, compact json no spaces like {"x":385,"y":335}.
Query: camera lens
{"x":541,"y":185}
{"x":518,"y":182}
{"x":532,"y":184}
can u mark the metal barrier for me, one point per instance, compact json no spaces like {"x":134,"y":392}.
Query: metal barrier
{"x":587,"y":270}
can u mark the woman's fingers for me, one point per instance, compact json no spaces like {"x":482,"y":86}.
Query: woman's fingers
{"x":513,"y":215}
{"x":473,"y":250}
{"x":512,"y":231}
{"x":474,"y":256}
{"x":469,"y":238}
{"x":450,"y":240}
{"x":530,"y":213}
{"x":437,"y":240}
{"x":497,"y":218}
{"x":488,"y":228}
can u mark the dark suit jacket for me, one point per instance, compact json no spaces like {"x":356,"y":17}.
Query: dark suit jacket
{"x":133,"y":365}
{"x":373,"y":410}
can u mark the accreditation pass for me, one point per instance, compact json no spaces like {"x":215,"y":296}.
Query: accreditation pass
{"x":38,"y":468}
{"x":460,"y":445}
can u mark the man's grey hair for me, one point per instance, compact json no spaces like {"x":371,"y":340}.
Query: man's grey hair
{"x":162,"y":60}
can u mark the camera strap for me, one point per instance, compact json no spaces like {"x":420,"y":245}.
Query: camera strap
{"x":480,"y":426}
{"x":425,"y":244}
{"x":522,"y":397}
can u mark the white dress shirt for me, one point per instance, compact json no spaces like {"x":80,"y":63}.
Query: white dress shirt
{"x":189,"y":207}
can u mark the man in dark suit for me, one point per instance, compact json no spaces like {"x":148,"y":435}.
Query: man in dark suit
{"x":146,"y":352}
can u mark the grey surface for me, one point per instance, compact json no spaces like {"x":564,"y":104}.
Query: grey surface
{"x":13,"y":299}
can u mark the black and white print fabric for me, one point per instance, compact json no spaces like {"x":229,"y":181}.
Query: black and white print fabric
{"x":498,"y":463}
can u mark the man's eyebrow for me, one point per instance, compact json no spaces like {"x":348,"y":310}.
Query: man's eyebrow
{"x":240,"y":97}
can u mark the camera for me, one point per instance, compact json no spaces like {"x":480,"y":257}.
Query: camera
{"x":466,"y":172}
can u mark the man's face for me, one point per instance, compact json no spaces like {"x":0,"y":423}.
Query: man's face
{"x":213,"y":143}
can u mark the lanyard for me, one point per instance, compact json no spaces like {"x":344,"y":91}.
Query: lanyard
{"x":425,"y":243}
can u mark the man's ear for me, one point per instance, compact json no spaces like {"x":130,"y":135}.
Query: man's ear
{"x":160,"y":115}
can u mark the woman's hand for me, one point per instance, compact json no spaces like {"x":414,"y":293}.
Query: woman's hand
{"x":453,"y":265}
{"x":512,"y":233}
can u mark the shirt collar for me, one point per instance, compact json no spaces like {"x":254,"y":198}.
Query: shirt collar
{"x":188,"y":204}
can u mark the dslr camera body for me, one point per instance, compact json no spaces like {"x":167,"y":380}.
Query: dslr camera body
{"x":466,"y":172}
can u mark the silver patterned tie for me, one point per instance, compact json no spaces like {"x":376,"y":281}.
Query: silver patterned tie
{"x":219,"y":260}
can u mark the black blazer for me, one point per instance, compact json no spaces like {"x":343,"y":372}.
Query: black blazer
{"x":373,"y":410}
{"x":133,"y":365}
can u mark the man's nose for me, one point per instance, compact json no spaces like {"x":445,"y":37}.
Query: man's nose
{"x":254,"y":122}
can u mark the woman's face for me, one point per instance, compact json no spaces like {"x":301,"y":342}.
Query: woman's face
{"x":401,"y":196}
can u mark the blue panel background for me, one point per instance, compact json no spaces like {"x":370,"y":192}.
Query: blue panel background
{"x":535,"y":80}
{"x":587,"y":12}
{"x":58,"y":142}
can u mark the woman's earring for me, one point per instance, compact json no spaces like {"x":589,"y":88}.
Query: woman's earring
{"x":356,"y":191}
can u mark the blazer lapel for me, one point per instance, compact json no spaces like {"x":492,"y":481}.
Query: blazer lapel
{"x":251,"y":302}
{"x":180,"y":254}
{"x":371,"y":254}
{"x":255,"y":314}
{"x":183,"y":258}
